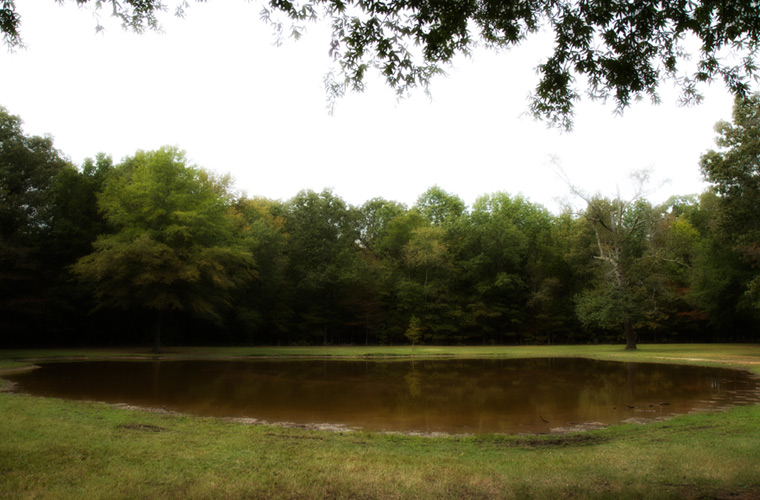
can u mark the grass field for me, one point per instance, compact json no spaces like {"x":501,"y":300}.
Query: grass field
{"x":62,"y":449}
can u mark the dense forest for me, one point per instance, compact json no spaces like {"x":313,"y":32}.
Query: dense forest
{"x":153,"y":250}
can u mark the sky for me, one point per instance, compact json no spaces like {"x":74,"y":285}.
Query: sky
{"x":215,"y":85}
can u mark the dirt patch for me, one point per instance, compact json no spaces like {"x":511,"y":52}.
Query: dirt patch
{"x":431,"y":434}
{"x":559,"y":432}
{"x":296,"y":436}
{"x":578,"y":427}
{"x":292,"y":425}
{"x":162,"y":411}
{"x":695,"y":493}
{"x":706,"y":360}
{"x":142,"y":427}
{"x":637,"y":420}
{"x":553,"y":441}
{"x":8,"y":386}
{"x":563,"y":441}
{"x":17,"y":369}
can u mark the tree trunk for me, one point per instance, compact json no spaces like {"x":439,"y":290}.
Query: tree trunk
{"x":157,"y":325}
{"x":366,"y":329}
{"x":630,"y":335}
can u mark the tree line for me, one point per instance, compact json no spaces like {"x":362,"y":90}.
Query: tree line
{"x":153,"y":249}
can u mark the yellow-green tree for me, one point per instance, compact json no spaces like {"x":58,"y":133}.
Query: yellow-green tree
{"x":173,"y":245}
{"x":414,"y":332}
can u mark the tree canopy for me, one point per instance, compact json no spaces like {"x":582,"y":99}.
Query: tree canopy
{"x":29,"y":169}
{"x":173,"y":244}
{"x":101,"y":253}
{"x":605,"y":49}
{"x":734,"y":171}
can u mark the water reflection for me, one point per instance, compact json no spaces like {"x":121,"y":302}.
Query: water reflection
{"x":487,"y":395}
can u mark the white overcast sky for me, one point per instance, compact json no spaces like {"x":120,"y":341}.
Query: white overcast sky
{"x":214,"y":85}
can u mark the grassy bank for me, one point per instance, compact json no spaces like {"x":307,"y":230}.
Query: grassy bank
{"x":60,"y":449}
{"x":745,"y":356}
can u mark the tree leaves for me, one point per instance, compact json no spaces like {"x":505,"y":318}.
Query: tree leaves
{"x":734,"y":171}
{"x":605,"y":49}
{"x":174,"y":245}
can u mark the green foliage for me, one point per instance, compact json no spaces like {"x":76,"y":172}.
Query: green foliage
{"x":734,"y":171}
{"x":262,"y":306}
{"x":398,"y":232}
{"x":28,"y":167}
{"x":322,"y":259}
{"x":621,"y":50}
{"x":52,"y":448}
{"x":426,"y":249}
{"x":32,"y":251}
{"x":375,"y":215}
{"x":414,"y":333}
{"x":512,"y":272}
{"x":173,"y":245}
{"x":155,"y":241}
{"x":136,"y":15}
{"x":623,"y":230}
{"x":440,"y":208}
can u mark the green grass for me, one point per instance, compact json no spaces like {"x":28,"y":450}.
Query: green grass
{"x":62,"y":449}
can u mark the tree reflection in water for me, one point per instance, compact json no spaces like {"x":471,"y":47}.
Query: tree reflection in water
{"x":456,"y":396}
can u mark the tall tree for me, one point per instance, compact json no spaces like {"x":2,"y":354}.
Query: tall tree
{"x":322,"y":256}
{"x":76,"y":220}
{"x":173,"y":245}
{"x":262,"y":307}
{"x":509,"y":269}
{"x":29,"y":167}
{"x":620,"y":227}
{"x":734,"y":171}
{"x":398,"y":290}
{"x":374,"y":217}
{"x":672,"y":247}
{"x":439,"y":207}
{"x":621,"y":50}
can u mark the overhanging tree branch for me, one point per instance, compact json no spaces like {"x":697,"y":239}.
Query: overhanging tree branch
{"x":623,"y":51}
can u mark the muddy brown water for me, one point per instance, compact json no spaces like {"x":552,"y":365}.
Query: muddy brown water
{"x":451,"y":396}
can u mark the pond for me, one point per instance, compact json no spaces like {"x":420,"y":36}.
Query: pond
{"x":451,"y":396}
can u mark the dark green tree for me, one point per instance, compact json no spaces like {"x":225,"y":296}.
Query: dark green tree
{"x":439,"y":207}
{"x":262,"y":307}
{"x":672,"y":246}
{"x":374,"y":217}
{"x":396,"y":290}
{"x":322,"y":261}
{"x":76,"y":220}
{"x":509,"y":274}
{"x":621,"y":227}
{"x":729,"y":262}
{"x":30,"y":169}
{"x":734,"y":171}
{"x":173,"y":245}
{"x":425,"y":288}
{"x":718,"y":289}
